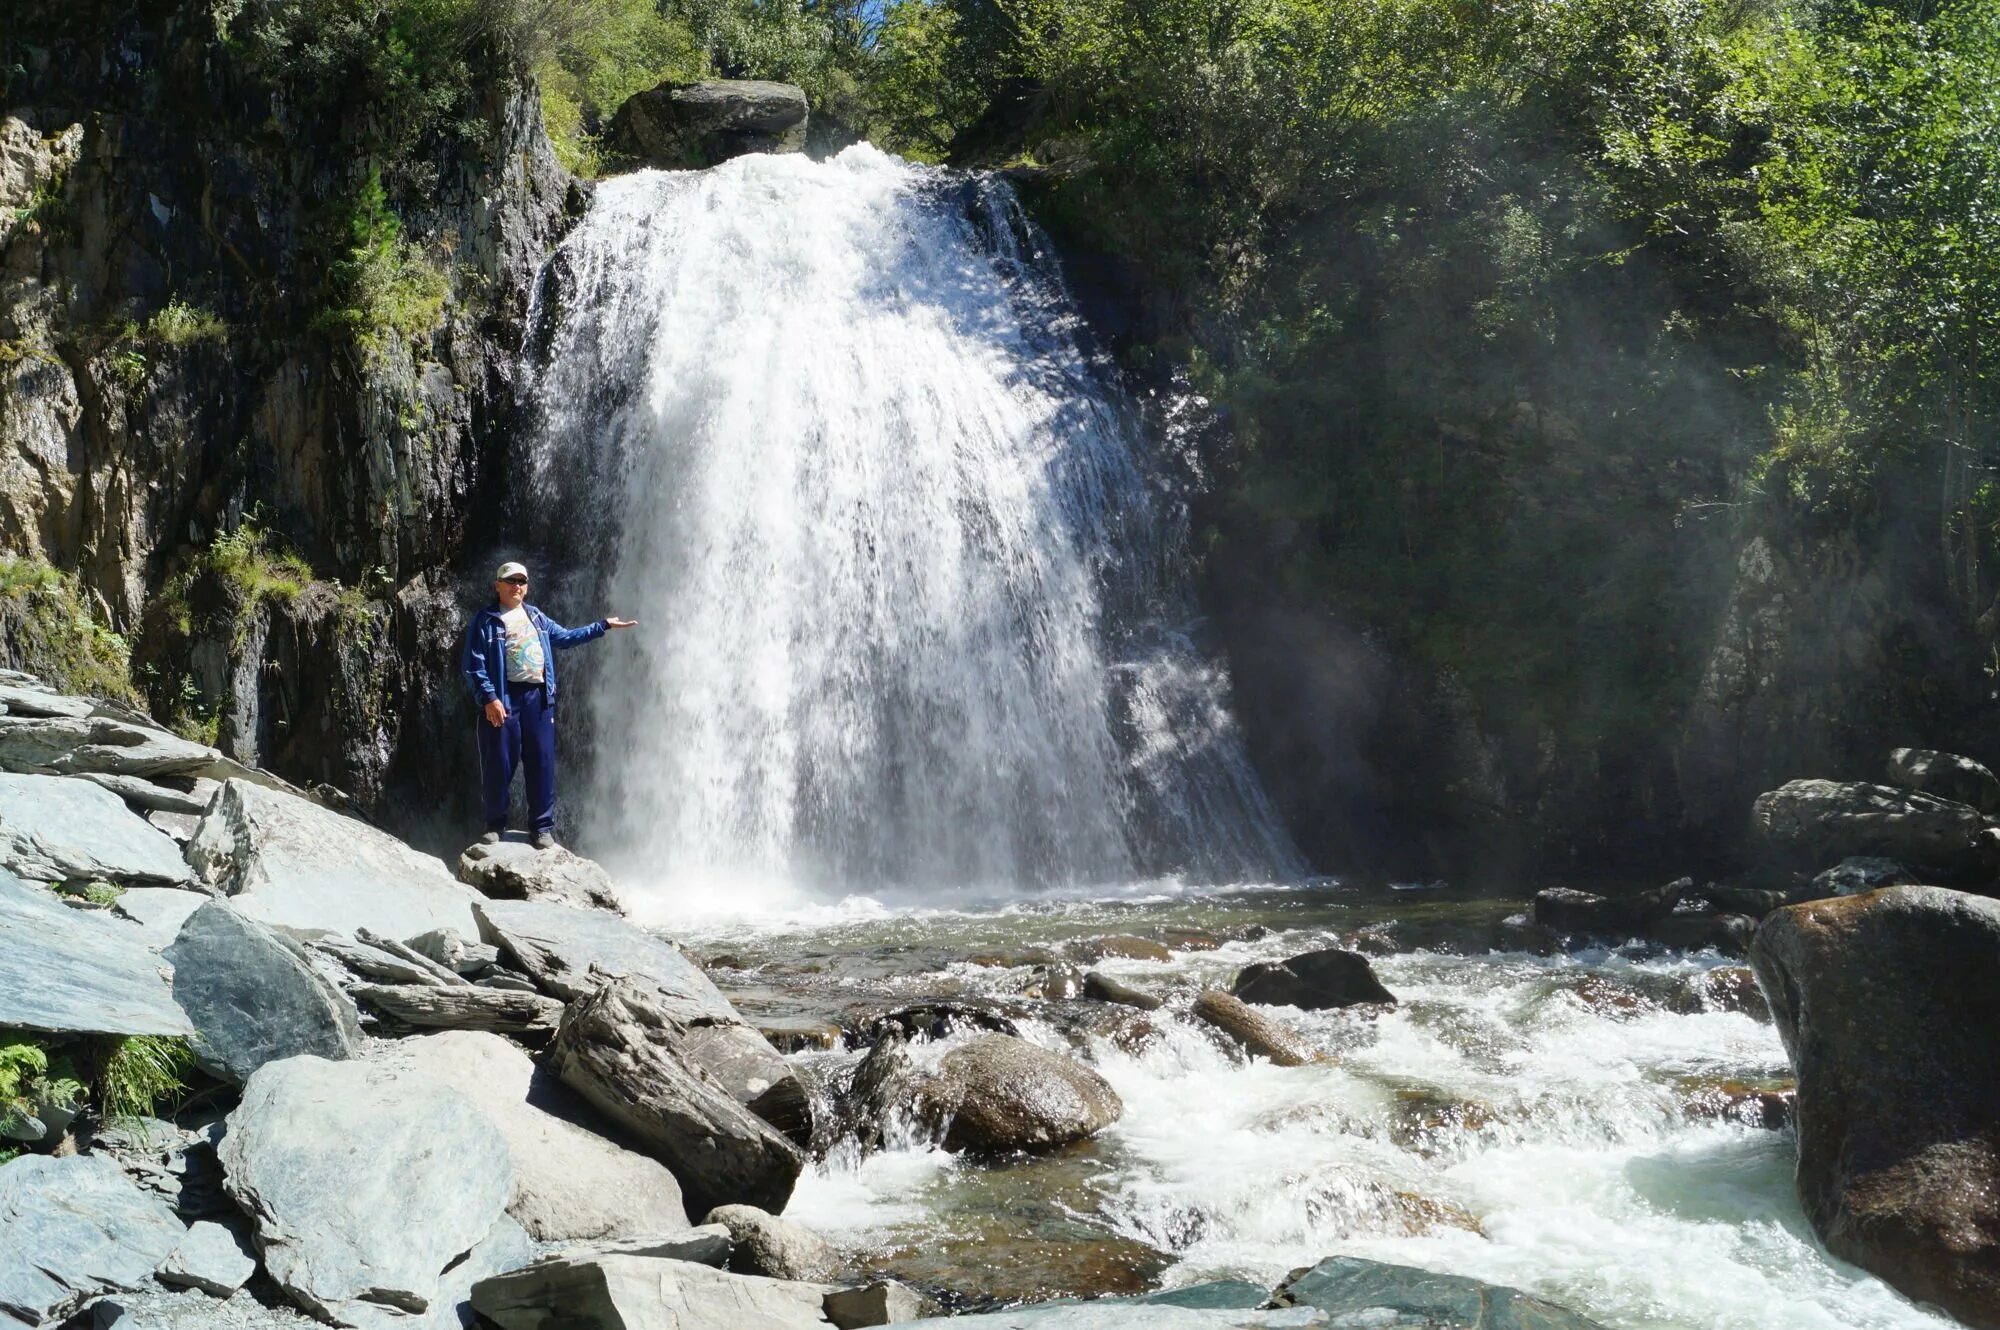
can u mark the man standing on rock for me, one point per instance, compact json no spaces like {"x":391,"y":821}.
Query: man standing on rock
{"x":510,"y":666}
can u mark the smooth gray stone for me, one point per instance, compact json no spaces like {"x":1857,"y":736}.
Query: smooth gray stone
{"x":18,"y":699}
{"x":152,"y":796}
{"x":284,"y":860}
{"x":159,"y":911}
{"x":775,"y":1248}
{"x":212,"y":1257}
{"x":72,"y":746}
{"x":617,"y":1048}
{"x":570,"y":1183}
{"x":516,"y":870}
{"x":1421,"y":1299}
{"x":179,"y":827}
{"x":77,"y":971}
{"x":560,"y":945}
{"x":644,"y":1292}
{"x":74,"y":1227}
{"x":364,"y":1182}
{"x":59,"y":829}
{"x":469,"y":1008}
{"x":884,"y":1302}
{"x":253,"y":996}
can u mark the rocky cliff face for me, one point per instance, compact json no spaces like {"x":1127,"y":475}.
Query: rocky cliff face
{"x":165,"y":376}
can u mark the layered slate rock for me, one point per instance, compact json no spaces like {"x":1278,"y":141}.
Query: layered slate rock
{"x":617,"y":1048}
{"x":571,"y":952}
{"x":516,"y":870}
{"x":1888,"y":1004}
{"x":212,"y":1257}
{"x":763,"y":1244}
{"x":996,"y":1092}
{"x":1401,"y":1297}
{"x":75,"y":745}
{"x":159,"y":911}
{"x":1316,"y":981}
{"x":744,"y":1062}
{"x":645,"y":1291}
{"x":60,"y":829}
{"x":1946,"y":775}
{"x":691,"y":125}
{"x":570,"y":1184}
{"x":440,"y":1008}
{"x":72,"y":1228}
{"x":1817,"y":822}
{"x":287,"y":861}
{"x":364,"y":1184}
{"x":254,"y":997}
{"x":78,"y":972}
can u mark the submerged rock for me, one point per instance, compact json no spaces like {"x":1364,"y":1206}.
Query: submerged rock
{"x":1401,"y":1297}
{"x":1819,"y":821}
{"x":75,"y":972}
{"x":618,"y":1049}
{"x":61,"y":829}
{"x":1946,"y":775}
{"x":691,"y":125}
{"x":253,"y":997}
{"x":74,"y":1227}
{"x":364,"y":1183}
{"x":516,"y":870}
{"x":570,"y":1183}
{"x":285,"y":860}
{"x":1887,"y":1004}
{"x":996,"y":1092}
{"x":764,"y":1244}
{"x":1316,"y":981}
{"x":1258,"y":1034}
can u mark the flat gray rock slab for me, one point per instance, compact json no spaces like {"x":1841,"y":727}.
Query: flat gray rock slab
{"x":570,"y":1184}
{"x":73,"y":745}
{"x":212,"y":1257}
{"x":434,"y":1008}
{"x":506,"y":1248}
{"x":155,"y":797}
{"x":285,"y":860}
{"x":1403,"y":1297}
{"x":159,"y":911}
{"x":78,"y":972}
{"x":364,"y":1183}
{"x":74,"y":1227}
{"x":254,"y":997}
{"x":60,"y":829}
{"x":645,"y":1291}
{"x":560,"y":945}
{"x":18,"y":699}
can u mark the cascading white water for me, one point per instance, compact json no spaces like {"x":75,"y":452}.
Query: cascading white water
{"x":907,"y":602}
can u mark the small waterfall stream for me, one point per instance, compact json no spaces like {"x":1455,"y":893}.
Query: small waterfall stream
{"x":909,"y":588}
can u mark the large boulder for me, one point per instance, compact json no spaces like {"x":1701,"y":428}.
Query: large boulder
{"x":644,"y":1293}
{"x":72,"y":1228}
{"x":763,"y":1244}
{"x":743,"y":1061}
{"x":364,"y":1183}
{"x":60,"y":829}
{"x":571,"y":952}
{"x":692,"y":125}
{"x":996,"y":1092}
{"x":516,"y":870}
{"x":1401,"y":1297}
{"x":1817,"y":822}
{"x":79,"y":972}
{"x":287,"y":861}
{"x":570,"y":1184}
{"x":1946,"y":775}
{"x":1887,"y":1004}
{"x":1316,"y":981}
{"x":618,"y":1048}
{"x":254,"y":997}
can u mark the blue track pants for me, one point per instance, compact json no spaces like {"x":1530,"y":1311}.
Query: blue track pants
{"x":527,"y":738}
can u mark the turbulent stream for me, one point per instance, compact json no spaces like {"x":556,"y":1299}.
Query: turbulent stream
{"x":918,"y":709}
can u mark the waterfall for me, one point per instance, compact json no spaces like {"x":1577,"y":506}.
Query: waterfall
{"x":910,"y":603}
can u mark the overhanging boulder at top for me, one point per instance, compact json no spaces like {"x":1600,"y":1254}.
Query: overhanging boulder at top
{"x":691,"y":125}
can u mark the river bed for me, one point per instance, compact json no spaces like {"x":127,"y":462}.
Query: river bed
{"x":1589,"y":1126}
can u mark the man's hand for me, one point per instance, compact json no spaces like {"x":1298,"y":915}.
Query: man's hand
{"x":496,"y":713}
{"x":621,"y":623}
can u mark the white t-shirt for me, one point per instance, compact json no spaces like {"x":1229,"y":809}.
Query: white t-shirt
{"x":524,"y":647}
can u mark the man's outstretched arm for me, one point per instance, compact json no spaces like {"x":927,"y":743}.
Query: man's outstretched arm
{"x":563,"y":638}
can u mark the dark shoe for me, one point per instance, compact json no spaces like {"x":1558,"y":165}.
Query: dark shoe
{"x":544,"y":840}
{"x":489,"y":837}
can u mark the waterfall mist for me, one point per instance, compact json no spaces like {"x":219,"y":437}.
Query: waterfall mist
{"x":911,"y":614}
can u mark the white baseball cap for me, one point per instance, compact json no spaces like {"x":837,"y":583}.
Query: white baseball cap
{"x":510,"y":569}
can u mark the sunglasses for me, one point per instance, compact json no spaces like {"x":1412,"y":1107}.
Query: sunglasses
{"x":515,"y":581}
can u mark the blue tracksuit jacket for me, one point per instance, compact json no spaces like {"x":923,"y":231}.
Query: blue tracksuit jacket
{"x":484,"y":663}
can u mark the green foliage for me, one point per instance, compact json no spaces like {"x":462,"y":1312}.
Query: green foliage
{"x":95,"y":892}
{"x":140,"y":1075}
{"x":383,"y":285}
{"x":180,"y":324}
{"x":49,"y":628}
{"x":614,"y":49}
{"x":31,"y":1080}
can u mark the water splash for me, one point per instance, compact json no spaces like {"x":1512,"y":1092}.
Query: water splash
{"x":909,"y":599}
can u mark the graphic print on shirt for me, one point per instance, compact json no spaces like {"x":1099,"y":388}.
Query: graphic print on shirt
{"x":524,"y":647}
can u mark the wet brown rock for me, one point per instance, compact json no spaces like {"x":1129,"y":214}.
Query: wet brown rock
{"x":1002,"y":1093}
{"x":1426,"y":1120}
{"x":1737,"y":1101}
{"x":1103,"y":988}
{"x":1124,"y":946}
{"x":1258,"y":1033}
{"x":1054,"y":983}
{"x":1887,"y":1004}
{"x":1730,"y":988}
